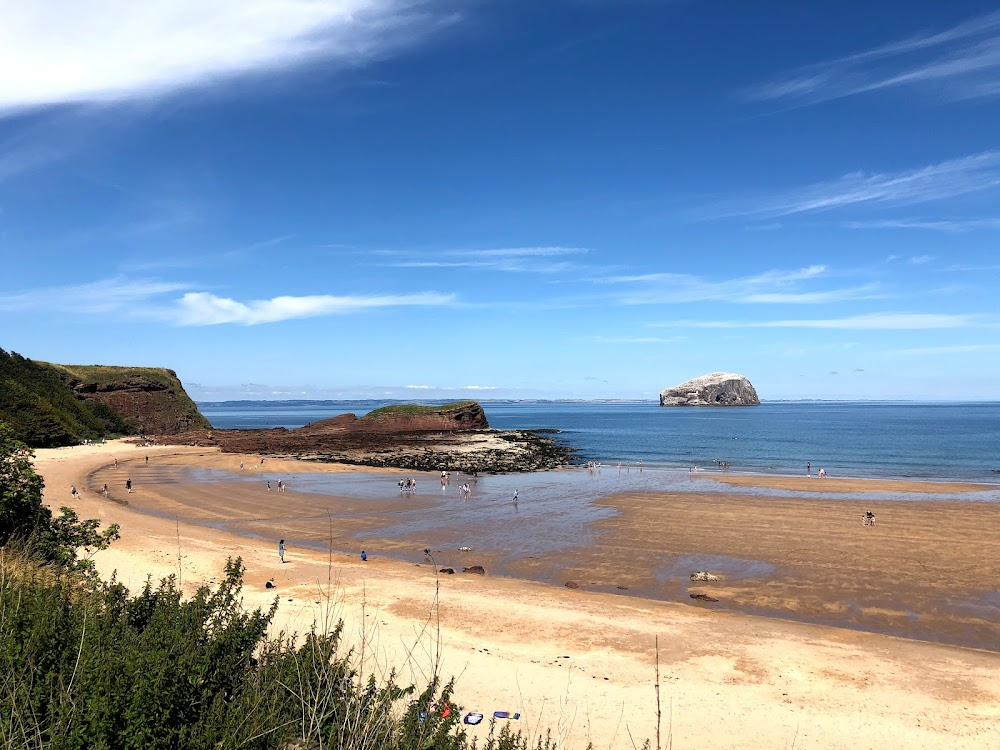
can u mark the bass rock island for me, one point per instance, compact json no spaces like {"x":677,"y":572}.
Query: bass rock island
{"x":714,"y":389}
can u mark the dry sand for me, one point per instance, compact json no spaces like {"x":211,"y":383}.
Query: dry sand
{"x":582,"y":662}
{"x":829,"y":484}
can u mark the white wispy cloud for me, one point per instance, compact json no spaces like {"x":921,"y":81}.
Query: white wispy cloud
{"x":947,"y":179}
{"x":101,"y":296}
{"x":480,"y":387}
{"x":204,"y":309}
{"x":155,"y":299}
{"x":17,"y":159}
{"x":420,"y":387}
{"x":942,"y":225}
{"x":962,"y":62}
{"x":770,"y":287}
{"x":920,"y":260}
{"x":889,"y":321}
{"x":54,"y":52}
{"x":511,"y":259}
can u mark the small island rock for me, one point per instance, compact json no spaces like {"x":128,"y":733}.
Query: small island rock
{"x":714,"y":389}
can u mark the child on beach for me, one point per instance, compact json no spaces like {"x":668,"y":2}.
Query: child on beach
{"x":281,"y":550}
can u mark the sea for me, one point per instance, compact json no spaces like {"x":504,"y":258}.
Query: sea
{"x":870,"y":439}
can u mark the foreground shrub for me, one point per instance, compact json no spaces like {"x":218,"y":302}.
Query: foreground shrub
{"x":89,"y":666}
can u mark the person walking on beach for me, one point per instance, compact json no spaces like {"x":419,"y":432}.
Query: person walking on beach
{"x":268,"y":485}
{"x":808,"y":469}
{"x":72,"y":491}
{"x":281,"y":550}
{"x":241,"y":466}
{"x":128,"y":485}
{"x":281,"y":486}
{"x":105,"y":490}
{"x":515,"y":497}
{"x":116,"y":463}
{"x":147,"y":460}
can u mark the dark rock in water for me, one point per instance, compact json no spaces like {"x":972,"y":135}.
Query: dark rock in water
{"x":449,"y":571}
{"x":703,"y":597}
{"x":572,"y":585}
{"x":714,"y":389}
{"x":479,"y":570}
{"x":622,"y":588}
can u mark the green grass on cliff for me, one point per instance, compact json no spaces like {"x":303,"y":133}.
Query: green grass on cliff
{"x":107,"y":374}
{"x":43,"y":410}
{"x":39,"y":403}
{"x":412,"y":410}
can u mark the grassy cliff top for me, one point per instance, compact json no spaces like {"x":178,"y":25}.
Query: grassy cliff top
{"x":48,"y":404}
{"x":411,"y":410}
{"x":106,"y":374}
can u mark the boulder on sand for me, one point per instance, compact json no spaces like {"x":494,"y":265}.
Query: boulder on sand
{"x":702,"y":575}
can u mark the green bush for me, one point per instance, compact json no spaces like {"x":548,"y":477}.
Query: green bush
{"x":25,"y":519}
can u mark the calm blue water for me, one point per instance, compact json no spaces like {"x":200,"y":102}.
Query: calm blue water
{"x":867,"y":439}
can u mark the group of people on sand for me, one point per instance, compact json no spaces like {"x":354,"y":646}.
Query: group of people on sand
{"x":821,"y":473}
{"x":407,"y":485}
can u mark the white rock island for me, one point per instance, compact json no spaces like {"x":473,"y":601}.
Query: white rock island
{"x":713,"y":389}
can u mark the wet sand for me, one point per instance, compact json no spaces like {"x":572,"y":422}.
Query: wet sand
{"x":928,"y":569}
{"x":582,"y":661}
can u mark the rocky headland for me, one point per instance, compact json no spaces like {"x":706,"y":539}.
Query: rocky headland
{"x":49,"y":405}
{"x":455,"y":437}
{"x":713,"y":389}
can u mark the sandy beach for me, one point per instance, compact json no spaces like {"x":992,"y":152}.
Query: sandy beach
{"x":581,"y":662}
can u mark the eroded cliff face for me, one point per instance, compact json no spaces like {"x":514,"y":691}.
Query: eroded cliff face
{"x":150,"y":400}
{"x":713,"y":389}
{"x":49,"y":405}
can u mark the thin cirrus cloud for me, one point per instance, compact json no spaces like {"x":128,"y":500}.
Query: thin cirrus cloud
{"x":204,"y":309}
{"x":935,"y":182}
{"x":151,"y":299}
{"x":459,"y":388}
{"x":888,"y":321}
{"x":962,"y":62}
{"x":942,"y":225}
{"x":114,"y":50}
{"x":101,"y":296}
{"x":510,"y":259}
{"x":770,"y":287}
{"x":953,"y":349}
{"x":17,"y":159}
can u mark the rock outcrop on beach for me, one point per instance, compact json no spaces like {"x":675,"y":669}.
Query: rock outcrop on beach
{"x":455,"y":437}
{"x":714,"y":389}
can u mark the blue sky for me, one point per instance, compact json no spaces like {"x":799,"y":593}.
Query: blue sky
{"x":570,"y":198}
